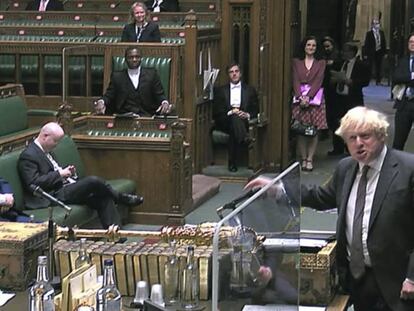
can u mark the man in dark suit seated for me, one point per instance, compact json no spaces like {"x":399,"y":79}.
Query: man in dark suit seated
{"x":234,"y":105}
{"x":7,"y":210}
{"x":135,"y":89}
{"x":37,"y":167}
{"x":373,"y":193}
{"x":44,"y":5}
{"x":162,"y":5}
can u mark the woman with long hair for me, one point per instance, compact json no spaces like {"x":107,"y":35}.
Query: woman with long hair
{"x":140,"y":27}
{"x":308,"y":105}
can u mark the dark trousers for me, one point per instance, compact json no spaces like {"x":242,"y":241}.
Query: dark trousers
{"x":366,"y":295}
{"x":376,"y":65}
{"x":237,"y":128}
{"x":404,"y":118}
{"x":97,"y":194}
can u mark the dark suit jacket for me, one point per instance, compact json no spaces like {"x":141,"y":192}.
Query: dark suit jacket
{"x":151,"y":33}
{"x":249,"y":103}
{"x":53,"y":5}
{"x":360,"y":78}
{"x":166,"y":5}
{"x":35,"y":168}
{"x":369,"y":44}
{"x":390,"y":235}
{"x":402,"y":75}
{"x":121,"y":91}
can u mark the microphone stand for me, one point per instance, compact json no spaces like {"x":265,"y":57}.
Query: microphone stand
{"x":54,"y":279}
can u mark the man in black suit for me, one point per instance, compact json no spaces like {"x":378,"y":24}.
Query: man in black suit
{"x":374,"y":49}
{"x":234,"y":105}
{"x":351,"y":77}
{"x":373,"y":193}
{"x":162,"y":5}
{"x":404,"y":115}
{"x":37,"y":167}
{"x":136,"y":89}
{"x":44,"y":5}
{"x":140,"y":27}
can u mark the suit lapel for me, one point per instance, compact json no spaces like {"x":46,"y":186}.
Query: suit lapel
{"x":131,"y":85}
{"x":387,"y":176}
{"x":346,"y":190}
{"x":243,"y":99}
{"x":42,"y":156}
{"x":227,"y":94}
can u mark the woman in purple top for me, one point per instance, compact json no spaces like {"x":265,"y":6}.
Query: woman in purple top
{"x":308,"y":70}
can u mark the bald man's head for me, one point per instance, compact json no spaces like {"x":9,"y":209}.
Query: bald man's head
{"x":50,"y":135}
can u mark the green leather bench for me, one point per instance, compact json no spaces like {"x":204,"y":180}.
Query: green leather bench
{"x":53,"y":70}
{"x":66,"y":153}
{"x":15,"y":118}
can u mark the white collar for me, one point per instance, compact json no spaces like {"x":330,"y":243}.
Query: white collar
{"x":237,"y":85}
{"x":36,"y":141}
{"x":133,"y":72}
{"x":376,"y":164}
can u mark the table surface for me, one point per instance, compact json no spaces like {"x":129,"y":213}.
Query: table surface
{"x":339,"y":303}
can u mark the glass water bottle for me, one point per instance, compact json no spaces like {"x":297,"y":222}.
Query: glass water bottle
{"x":41,"y":294}
{"x":171,"y":276}
{"x":83,"y":257}
{"x":108,"y":297}
{"x":190,"y":285}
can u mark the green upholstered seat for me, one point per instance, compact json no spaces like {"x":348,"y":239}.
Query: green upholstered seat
{"x":13,"y":115}
{"x":66,"y":153}
{"x":161,"y":64}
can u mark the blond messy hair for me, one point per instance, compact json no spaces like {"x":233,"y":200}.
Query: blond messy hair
{"x":363,"y":119}
{"x":131,"y":17}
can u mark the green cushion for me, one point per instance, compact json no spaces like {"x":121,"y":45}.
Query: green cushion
{"x":42,"y":112}
{"x":13,"y":115}
{"x":80,"y":215}
{"x":29,"y":67}
{"x":66,"y":153}
{"x":7,"y":67}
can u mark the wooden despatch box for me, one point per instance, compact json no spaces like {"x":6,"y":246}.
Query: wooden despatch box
{"x":318,"y":276}
{"x":20,"y":244}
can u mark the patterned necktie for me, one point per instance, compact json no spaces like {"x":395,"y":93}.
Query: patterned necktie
{"x":356,"y":264}
{"x":42,"y":6}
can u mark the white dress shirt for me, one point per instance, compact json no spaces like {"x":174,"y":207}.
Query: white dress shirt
{"x":156,"y":6}
{"x":235,"y":96}
{"x":372,"y":182}
{"x":134,"y":76}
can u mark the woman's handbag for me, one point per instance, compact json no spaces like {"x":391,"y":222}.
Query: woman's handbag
{"x":303,"y":129}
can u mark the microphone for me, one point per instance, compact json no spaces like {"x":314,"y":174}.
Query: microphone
{"x":232,"y":205}
{"x":37,"y":191}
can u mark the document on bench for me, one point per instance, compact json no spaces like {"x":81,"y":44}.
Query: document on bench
{"x":281,"y":308}
{"x":4,"y":297}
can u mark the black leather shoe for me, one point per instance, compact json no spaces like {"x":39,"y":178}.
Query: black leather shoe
{"x":130,"y":199}
{"x":233,"y":168}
